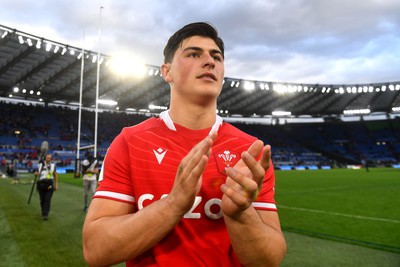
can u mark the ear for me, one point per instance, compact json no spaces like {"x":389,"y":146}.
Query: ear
{"x":165,"y":71}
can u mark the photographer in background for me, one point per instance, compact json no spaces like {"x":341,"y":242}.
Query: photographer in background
{"x":90,"y":170}
{"x":47,"y":184}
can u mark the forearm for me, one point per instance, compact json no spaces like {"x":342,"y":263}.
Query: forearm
{"x":112,"y":239}
{"x":254,"y":242}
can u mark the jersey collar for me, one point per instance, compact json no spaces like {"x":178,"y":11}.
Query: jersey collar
{"x":164,"y":116}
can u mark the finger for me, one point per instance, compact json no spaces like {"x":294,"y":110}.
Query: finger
{"x":239,"y":198}
{"x":203,"y":147}
{"x":265,"y":160}
{"x":192,"y":159}
{"x":198,"y":169}
{"x":256,"y":169}
{"x":256,"y":148}
{"x":213,"y":135}
{"x":246,"y":186}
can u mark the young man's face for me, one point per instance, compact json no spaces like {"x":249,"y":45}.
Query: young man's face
{"x":197,"y":70}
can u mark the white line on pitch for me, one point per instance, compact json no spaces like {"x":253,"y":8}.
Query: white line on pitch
{"x":340,"y":214}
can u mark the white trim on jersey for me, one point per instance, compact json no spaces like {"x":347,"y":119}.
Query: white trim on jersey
{"x":264,"y":205}
{"x":167,"y":120}
{"x":170,"y":124}
{"x":114,"y":195}
{"x":218,"y":122}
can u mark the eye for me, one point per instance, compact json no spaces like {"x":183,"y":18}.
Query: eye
{"x":217,"y":57}
{"x":194,"y":54}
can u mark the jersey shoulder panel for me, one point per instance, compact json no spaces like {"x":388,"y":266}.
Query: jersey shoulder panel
{"x":229,"y":129}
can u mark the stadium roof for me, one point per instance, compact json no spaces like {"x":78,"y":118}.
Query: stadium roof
{"x":37,"y":69}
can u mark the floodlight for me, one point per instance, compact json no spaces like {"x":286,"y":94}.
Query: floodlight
{"x":151,"y":107}
{"x":281,"y":113}
{"x":107,"y":102}
{"x":4,"y":34}
{"x":248,"y":86}
{"x":356,"y":111}
{"x":280,"y":88}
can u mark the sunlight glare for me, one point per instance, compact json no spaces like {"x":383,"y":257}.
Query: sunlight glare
{"x":127,"y":65}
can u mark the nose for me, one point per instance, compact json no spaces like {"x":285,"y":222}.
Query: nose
{"x":209,"y":61}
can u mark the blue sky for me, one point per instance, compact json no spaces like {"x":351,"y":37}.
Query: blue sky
{"x":314,"y":41}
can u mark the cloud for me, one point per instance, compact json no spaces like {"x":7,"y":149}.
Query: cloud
{"x":295,"y":40}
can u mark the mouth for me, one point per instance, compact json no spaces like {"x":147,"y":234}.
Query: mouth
{"x":207,"y":76}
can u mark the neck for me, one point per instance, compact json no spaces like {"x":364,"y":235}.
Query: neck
{"x":193,"y":117}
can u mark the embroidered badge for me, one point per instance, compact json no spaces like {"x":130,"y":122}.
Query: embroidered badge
{"x":226,"y":158}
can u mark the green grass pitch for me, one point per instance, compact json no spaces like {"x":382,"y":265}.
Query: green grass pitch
{"x":344,"y":209}
{"x":330,"y":218}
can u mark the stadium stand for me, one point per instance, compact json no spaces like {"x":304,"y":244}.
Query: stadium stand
{"x":297,"y":146}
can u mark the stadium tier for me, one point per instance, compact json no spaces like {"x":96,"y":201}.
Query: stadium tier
{"x":294,"y":146}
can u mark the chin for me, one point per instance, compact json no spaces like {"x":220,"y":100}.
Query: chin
{"x":211,"y":93}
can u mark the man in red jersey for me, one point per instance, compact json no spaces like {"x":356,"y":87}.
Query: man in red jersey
{"x":186,"y":188}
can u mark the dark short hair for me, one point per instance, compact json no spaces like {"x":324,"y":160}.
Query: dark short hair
{"x":193,"y":29}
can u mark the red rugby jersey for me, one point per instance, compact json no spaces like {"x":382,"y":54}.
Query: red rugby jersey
{"x":140,"y":167}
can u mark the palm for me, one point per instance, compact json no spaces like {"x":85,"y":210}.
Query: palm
{"x":228,"y":206}
{"x":242,"y":189}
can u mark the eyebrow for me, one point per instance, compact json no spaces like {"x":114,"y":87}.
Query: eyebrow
{"x":196,"y":48}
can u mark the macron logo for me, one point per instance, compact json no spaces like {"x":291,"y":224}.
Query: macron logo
{"x":160,"y":153}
